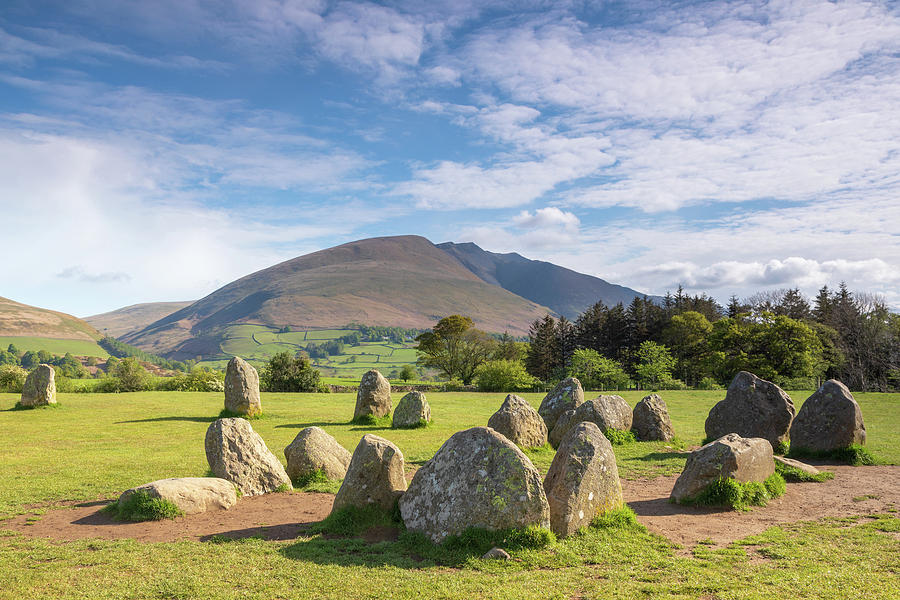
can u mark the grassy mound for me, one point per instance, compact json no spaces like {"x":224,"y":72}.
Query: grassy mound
{"x":729,"y":492}
{"x":141,"y":506}
{"x":854,"y":454}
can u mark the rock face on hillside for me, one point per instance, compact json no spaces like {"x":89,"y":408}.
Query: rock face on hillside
{"x":519,"y":422}
{"x":412,"y":410}
{"x":567,"y":395}
{"x":39,"y":388}
{"x":237,"y":453}
{"x":375,"y":475}
{"x":650,"y":422}
{"x":192,"y":495}
{"x":314,"y":450}
{"x":583,"y":480}
{"x":830,"y":419}
{"x":752,"y":407}
{"x":242,"y":388}
{"x":605,"y":411}
{"x":478,"y":478}
{"x":731,"y":456}
{"x":373,"y":396}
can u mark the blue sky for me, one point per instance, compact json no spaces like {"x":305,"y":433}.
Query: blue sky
{"x":157,"y":150}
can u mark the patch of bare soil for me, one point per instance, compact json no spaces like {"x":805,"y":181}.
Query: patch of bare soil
{"x":840,"y":497}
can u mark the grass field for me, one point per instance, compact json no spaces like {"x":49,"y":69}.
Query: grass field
{"x":93,"y":446}
{"x":55,"y":346}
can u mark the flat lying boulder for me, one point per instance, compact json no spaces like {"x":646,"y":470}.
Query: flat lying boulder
{"x":39,"y":388}
{"x":790,"y":462}
{"x":237,"y":453}
{"x":373,"y":396}
{"x":314,"y":450}
{"x":650,"y":420}
{"x":192,"y":495}
{"x":752,"y":407}
{"x":519,"y":422}
{"x":563,"y":425}
{"x":567,"y":395}
{"x":478,"y":478}
{"x":605,"y":411}
{"x":731,"y":456}
{"x":242,"y":388}
{"x":375,"y":475}
{"x":412,"y":410}
{"x":583,"y":480}
{"x":830,"y":419}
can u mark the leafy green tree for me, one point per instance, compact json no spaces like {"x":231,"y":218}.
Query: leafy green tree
{"x":131,"y":375}
{"x":12,"y":378}
{"x":407,"y":373}
{"x":503,"y":376}
{"x":596,"y":371}
{"x":687,"y":335}
{"x":30,"y":360}
{"x":654,"y":363}
{"x":286,"y":372}
{"x":455,"y":348}
{"x":8,"y":358}
{"x":13,"y":350}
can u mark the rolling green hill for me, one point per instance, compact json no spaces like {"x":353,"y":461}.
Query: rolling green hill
{"x":33,"y":328}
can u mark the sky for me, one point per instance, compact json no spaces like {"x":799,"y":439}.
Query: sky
{"x":155,"y":151}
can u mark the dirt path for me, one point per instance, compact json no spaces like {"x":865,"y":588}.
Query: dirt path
{"x":285,"y":516}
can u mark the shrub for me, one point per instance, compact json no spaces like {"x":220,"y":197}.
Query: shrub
{"x":317,"y":481}
{"x":708,"y":383}
{"x":672,"y":384}
{"x":132,"y":376}
{"x":288,"y":373}
{"x":454,"y":385}
{"x":503,"y":376}
{"x":12,"y":378}
{"x":621,"y":518}
{"x":141,"y":506}
{"x":726,"y":491}
{"x":198,"y":380}
{"x":617,"y":437}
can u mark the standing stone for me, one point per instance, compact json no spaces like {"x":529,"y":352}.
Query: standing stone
{"x":519,"y":422}
{"x":314,"y":450}
{"x":237,"y":453}
{"x":830,"y":419}
{"x":478,"y":478}
{"x":375,"y":475}
{"x":583,"y":480}
{"x":39,"y":388}
{"x":412,"y":410}
{"x":373,"y":396}
{"x":650,"y":421}
{"x":192,"y":495}
{"x":731,"y":456}
{"x":752,"y":407}
{"x":242,"y":388}
{"x":563,"y":425}
{"x":567,"y":395}
{"x":605,"y":411}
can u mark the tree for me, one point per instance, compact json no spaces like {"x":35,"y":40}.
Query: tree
{"x":503,"y":376}
{"x":286,"y":372}
{"x":543,"y":349}
{"x":655,"y":363}
{"x":687,"y":335}
{"x":13,"y":350}
{"x":407,"y":373}
{"x":131,"y":374}
{"x":455,"y":347}
{"x":596,"y":371}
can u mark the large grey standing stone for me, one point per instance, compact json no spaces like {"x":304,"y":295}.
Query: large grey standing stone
{"x":650,"y":422}
{"x":731,"y":456}
{"x":192,"y":495}
{"x":583,"y":480}
{"x":237,"y":453}
{"x":373,"y":396}
{"x":412,"y":410}
{"x":752,"y":407}
{"x":314,"y":450}
{"x":39,"y":388}
{"x":830,"y":419}
{"x":518,"y":421}
{"x":605,"y":411}
{"x":563,"y":425}
{"x":567,"y":395}
{"x":478,"y":478}
{"x":375,"y":475}
{"x":242,"y":388}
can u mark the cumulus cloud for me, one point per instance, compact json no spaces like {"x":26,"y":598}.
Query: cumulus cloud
{"x":547,"y":218}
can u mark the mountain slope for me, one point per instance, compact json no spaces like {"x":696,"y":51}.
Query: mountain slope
{"x":133,"y":318}
{"x":565,"y":291}
{"x":403,"y":281}
{"x":22,"y":320}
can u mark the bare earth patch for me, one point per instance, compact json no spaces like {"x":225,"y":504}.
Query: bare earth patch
{"x":286,"y":516}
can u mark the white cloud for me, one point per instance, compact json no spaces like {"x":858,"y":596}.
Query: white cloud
{"x":547,"y":218}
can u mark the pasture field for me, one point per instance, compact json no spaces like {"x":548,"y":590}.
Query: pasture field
{"x":54,"y":346}
{"x":94,"y":446}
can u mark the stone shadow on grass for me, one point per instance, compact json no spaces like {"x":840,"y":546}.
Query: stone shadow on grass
{"x":282,"y":533}
{"x":657,"y":456}
{"x":315,"y":424}
{"x":355,"y":551}
{"x":164,"y":419}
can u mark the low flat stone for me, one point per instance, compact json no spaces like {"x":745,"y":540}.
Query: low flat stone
{"x":497,"y":553}
{"x":731,"y":456}
{"x":192,"y":495}
{"x":790,"y":462}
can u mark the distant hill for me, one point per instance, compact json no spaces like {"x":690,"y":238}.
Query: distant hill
{"x":403,"y":281}
{"x":123,"y":321}
{"x":565,"y":291}
{"x":22,"y":320}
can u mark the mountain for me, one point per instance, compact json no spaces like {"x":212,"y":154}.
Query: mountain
{"x":565,"y":291}
{"x":129,"y":319}
{"x":22,"y":320}
{"x":403,"y":281}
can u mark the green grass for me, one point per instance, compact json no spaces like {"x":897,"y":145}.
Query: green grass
{"x":55,"y":346}
{"x":617,"y":437}
{"x":97,"y":445}
{"x":141,"y":506}
{"x":795,"y":475}
{"x":854,"y":454}
{"x":318,"y":482}
{"x":737,"y":495}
